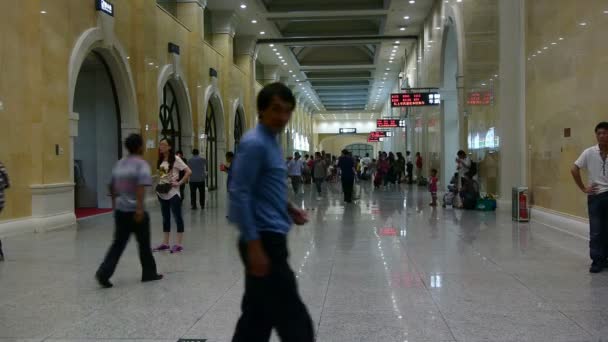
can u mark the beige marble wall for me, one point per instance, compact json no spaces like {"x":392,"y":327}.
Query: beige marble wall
{"x":35,"y":50}
{"x":564,"y":89}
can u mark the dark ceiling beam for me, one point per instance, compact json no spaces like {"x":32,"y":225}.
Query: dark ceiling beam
{"x":359,"y":39}
{"x":324,"y":14}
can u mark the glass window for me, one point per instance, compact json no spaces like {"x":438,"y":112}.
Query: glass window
{"x":359,"y":150}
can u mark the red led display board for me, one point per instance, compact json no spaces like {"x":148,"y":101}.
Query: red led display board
{"x":479,"y":98}
{"x":390,"y":123}
{"x":415,"y":99}
{"x":381,"y":134}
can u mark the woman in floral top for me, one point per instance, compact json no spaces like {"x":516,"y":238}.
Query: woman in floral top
{"x":169,"y":166}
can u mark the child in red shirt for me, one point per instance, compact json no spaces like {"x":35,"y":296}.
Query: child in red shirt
{"x":433,"y":187}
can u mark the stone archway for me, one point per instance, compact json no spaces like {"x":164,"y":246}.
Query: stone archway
{"x":169,"y":81}
{"x":211,"y":121}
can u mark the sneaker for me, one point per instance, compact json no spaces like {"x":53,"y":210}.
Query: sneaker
{"x":103,"y":282}
{"x":177,"y":249}
{"x":596,"y":267}
{"x":161,"y":247}
{"x":156,"y":277}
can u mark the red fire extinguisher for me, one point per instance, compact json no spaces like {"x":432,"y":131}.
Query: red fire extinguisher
{"x":523,"y":206}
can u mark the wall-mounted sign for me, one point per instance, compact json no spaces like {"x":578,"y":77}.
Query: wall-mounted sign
{"x":381,"y":134}
{"x":104,"y":6}
{"x":390,"y":123}
{"x":477,"y":98}
{"x":415,"y":99}
{"x":173,"y":48}
{"x":347,"y":131}
{"x":375,"y":139}
{"x":212,"y":72}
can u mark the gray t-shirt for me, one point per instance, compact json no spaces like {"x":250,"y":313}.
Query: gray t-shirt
{"x":198,"y":166}
{"x":128,"y":174}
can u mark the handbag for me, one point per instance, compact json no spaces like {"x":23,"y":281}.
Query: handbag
{"x":163,"y":188}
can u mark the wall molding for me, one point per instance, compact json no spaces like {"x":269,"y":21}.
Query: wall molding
{"x":569,"y":224}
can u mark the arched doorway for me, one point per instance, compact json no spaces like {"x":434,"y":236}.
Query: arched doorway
{"x":98,"y":146}
{"x":239,"y":127}
{"x":170,"y":117}
{"x":360,"y":150}
{"x":211,"y":149}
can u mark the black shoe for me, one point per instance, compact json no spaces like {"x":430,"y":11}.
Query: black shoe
{"x":596,"y":267}
{"x":103,"y":282}
{"x":153,"y":278}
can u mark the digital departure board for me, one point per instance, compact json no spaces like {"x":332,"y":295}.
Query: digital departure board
{"x":374,"y":139}
{"x":480,"y":98}
{"x":381,"y":134}
{"x":415,"y":99}
{"x":390,"y":123}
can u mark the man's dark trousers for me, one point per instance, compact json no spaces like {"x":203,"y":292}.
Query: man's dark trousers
{"x":598,"y":223}
{"x":273,"y":301}
{"x":200,"y":187}
{"x":125,"y":226}
{"x":347,"y":186}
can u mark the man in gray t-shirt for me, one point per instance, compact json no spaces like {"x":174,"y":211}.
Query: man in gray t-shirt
{"x":130,"y":177}
{"x":198,"y":166}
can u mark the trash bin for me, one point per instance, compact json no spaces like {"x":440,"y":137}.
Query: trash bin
{"x":520,"y":211}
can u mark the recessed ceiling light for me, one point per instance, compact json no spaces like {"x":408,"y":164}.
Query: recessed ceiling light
{"x":546,"y":47}
{"x":42,"y":12}
{"x":271,"y":45}
{"x":388,"y":69}
{"x":386,"y":73}
{"x":412,"y":1}
{"x":534,"y":55}
{"x":583,"y":24}
{"x":128,"y":57}
{"x":290,"y":71}
{"x":553,"y":43}
{"x":438,"y":28}
{"x":274,"y":49}
{"x":391,"y":61}
{"x":402,"y":29}
{"x":262,"y":32}
{"x":606,"y":12}
{"x":407,"y":17}
{"x":495,"y":75}
{"x":458,"y":0}
{"x":254,"y":21}
{"x":483,"y":84}
{"x":277,"y":53}
{"x":397,"y":42}
{"x":243,"y":6}
{"x":284,"y":63}
{"x":151,"y":63}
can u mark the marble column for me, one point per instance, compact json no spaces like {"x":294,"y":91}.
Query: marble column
{"x":511,"y":97}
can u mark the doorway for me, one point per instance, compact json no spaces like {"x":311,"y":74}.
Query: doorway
{"x":239,"y":127}
{"x":211,"y":149}
{"x":97,"y":147}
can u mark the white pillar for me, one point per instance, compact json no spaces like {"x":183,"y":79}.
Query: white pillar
{"x":511,"y":96}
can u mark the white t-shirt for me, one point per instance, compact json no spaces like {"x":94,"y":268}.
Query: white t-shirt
{"x":166,"y":177}
{"x":365,"y":161}
{"x":591,"y":160}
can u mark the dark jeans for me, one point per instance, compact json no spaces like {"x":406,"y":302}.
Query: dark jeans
{"x":173,"y":205}
{"x":319,"y":183}
{"x":410,"y":173}
{"x":295,"y":183}
{"x":200,"y":186}
{"x":598,"y":224}
{"x":273,"y":301}
{"x":347,"y":186}
{"x":125,"y":226}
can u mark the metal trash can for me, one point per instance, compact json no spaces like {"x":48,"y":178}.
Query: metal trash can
{"x":520,"y":211}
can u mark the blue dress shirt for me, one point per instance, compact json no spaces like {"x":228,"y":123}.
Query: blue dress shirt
{"x":258,"y":188}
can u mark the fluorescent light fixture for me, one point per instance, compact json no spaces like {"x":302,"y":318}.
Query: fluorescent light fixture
{"x":271,"y":45}
{"x":402,"y":29}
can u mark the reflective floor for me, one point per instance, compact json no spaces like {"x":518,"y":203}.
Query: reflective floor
{"x":388,"y":268}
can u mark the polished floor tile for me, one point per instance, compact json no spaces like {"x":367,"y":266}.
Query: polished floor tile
{"x":387,"y":268}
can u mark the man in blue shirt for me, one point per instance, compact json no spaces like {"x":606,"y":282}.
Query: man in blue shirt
{"x":346,"y":164}
{"x":259,"y":206}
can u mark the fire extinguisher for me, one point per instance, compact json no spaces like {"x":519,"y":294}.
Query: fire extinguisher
{"x":523,"y":206}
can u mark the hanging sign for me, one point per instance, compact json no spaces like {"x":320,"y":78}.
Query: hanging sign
{"x":347,"y":131}
{"x":390,"y":123}
{"x":173,"y":48}
{"x":105,"y":7}
{"x":415,"y":99}
{"x":477,"y":98}
{"x":381,"y":134}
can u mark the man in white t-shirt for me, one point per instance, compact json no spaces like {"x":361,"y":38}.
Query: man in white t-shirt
{"x":594,"y":160}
